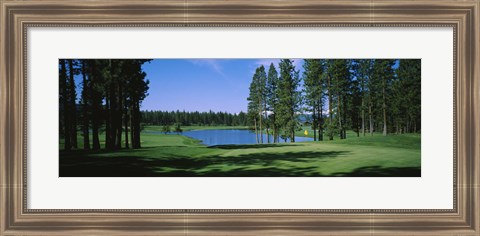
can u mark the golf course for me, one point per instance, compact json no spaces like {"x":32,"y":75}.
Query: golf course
{"x":176,"y":155}
{"x":239,"y":117}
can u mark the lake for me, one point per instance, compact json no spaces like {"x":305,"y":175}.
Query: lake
{"x":231,"y":136}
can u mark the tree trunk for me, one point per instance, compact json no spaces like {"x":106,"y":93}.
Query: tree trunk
{"x":292,"y":135}
{"x":339,"y":110}
{"x":384,"y":114}
{"x":320,"y":122}
{"x":278,"y":133}
{"x":65,"y":103}
{"x":330,"y":103}
{"x":127,"y":118}
{"x":118,"y":144}
{"x":274,"y":128}
{"x":344,"y":105}
{"x":95,"y":123}
{"x":256,"y":132}
{"x":266,"y":124}
{"x":277,"y":130}
{"x":73,"y":106}
{"x":96,"y":101}
{"x":370,"y":118}
{"x":108,"y":124}
{"x":136,"y":125}
{"x":261,"y":130}
{"x":314,"y":123}
{"x":292,"y":127}
{"x":111,"y":110}
{"x":131,"y":125}
{"x":96,"y":140}
{"x":340,"y":117}
{"x":275,"y":134}
{"x":119,"y":118}
{"x":363,"y":118}
{"x":86,"y":135}
{"x":320,"y":129}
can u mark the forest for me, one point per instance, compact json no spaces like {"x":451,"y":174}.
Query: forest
{"x":110,"y":97}
{"x":185,"y":118}
{"x":363,"y":95}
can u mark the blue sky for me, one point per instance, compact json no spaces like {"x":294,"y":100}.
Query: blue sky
{"x":201,"y":84}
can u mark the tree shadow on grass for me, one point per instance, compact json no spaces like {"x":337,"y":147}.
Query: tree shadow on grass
{"x":246,"y":165}
{"x":288,"y":164}
{"x":85,"y":153}
{"x":378,"y":171}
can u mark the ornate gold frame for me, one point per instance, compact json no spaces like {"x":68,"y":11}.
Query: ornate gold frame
{"x":17,"y":16}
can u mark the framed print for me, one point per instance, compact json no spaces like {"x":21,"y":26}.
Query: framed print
{"x":239,"y":117}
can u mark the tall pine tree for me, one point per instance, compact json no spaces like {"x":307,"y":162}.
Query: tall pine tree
{"x":289,"y":99}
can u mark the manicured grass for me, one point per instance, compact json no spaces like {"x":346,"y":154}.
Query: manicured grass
{"x":177,"y":155}
{"x":147,"y":129}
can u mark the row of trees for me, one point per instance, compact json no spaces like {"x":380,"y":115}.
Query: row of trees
{"x":274,"y":102}
{"x":110,"y":97}
{"x":363,"y":95}
{"x":185,"y":118}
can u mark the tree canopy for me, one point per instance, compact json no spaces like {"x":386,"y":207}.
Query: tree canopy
{"x":336,"y":95}
{"x":111,"y":93}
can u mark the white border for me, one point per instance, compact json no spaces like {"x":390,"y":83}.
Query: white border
{"x":434,"y":190}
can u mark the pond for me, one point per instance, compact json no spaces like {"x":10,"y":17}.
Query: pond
{"x":233,"y":136}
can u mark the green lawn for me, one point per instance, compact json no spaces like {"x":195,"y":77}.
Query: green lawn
{"x":177,"y":155}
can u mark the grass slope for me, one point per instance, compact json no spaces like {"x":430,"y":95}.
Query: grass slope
{"x":177,"y":155}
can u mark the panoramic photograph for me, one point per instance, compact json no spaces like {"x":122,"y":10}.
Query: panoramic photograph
{"x":239,"y":117}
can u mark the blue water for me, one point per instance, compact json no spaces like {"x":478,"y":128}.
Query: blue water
{"x":234,"y":136}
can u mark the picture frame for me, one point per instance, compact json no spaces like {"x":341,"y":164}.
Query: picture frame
{"x":17,"y":16}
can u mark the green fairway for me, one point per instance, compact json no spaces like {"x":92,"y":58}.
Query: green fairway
{"x":177,"y":155}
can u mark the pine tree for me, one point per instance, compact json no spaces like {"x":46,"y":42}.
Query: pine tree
{"x":363,"y":71}
{"x":96,"y":92}
{"x":272,"y":100}
{"x":289,"y":98}
{"x":340,"y":79}
{"x":64,"y":103}
{"x":331,"y":125}
{"x":262,"y":101}
{"x":72,"y":104}
{"x":85,"y":100}
{"x":254,"y":106}
{"x":138,"y":88}
{"x":383,"y":75}
{"x":312,"y":78}
{"x":407,"y":87}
